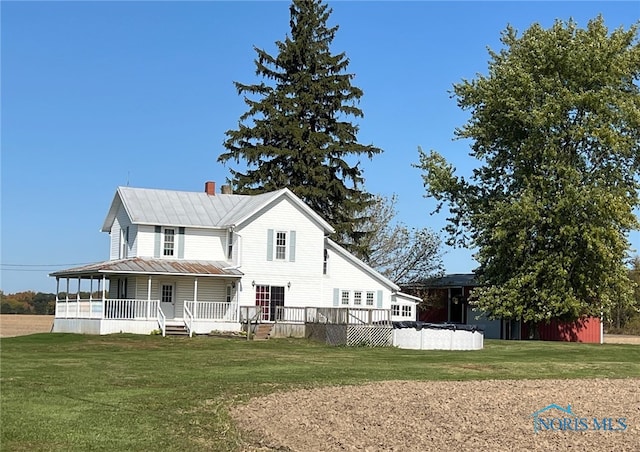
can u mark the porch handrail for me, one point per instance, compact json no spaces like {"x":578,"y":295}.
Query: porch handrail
{"x":162,"y":321}
{"x":256,"y":318}
{"x":188,"y":321}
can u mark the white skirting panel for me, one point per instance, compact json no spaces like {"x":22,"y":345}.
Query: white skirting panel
{"x":78,"y":326}
{"x":207,"y":326}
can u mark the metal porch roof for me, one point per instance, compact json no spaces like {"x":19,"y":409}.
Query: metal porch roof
{"x":138,"y":265}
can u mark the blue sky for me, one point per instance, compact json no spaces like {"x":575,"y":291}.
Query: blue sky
{"x":101,"y":94}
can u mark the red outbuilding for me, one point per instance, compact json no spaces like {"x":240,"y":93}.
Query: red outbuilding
{"x":445,"y":300}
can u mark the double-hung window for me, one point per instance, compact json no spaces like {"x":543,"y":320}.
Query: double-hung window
{"x":357,"y":298}
{"x":406,"y":311}
{"x":325,"y":262}
{"x":169,"y":242}
{"x":369,"y":298}
{"x":344,"y":298}
{"x":281,"y":245}
{"x":230,"y":245}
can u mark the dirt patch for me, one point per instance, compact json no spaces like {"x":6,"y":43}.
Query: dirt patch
{"x":621,"y":339}
{"x":425,"y":416}
{"x":21,"y":325}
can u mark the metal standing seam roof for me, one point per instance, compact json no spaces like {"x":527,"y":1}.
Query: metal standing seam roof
{"x":138,"y":265}
{"x":192,"y":209}
{"x":452,"y":280}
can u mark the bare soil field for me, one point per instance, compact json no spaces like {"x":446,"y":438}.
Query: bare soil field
{"x":21,"y":325}
{"x":441,"y":416}
{"x":621,"y":339}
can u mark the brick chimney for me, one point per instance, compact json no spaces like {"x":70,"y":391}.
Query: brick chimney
{"x":226,"y":190}
{"x":210,"y":188}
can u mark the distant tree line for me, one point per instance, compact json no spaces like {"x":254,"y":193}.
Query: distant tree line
{"x":30,"y":302}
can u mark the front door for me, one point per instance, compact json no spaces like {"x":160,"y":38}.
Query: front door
{"x":168,"y":300}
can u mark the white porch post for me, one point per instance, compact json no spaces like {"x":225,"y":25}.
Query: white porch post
{"x":57,"y":292}
{"x":66,"y":299}
{"x":104,"y":295}
{"x":238,"y":304}
{"x":195,"y":298}
{"x":149,"y":297}
{"x":91,"y":296}
{"x":78,"y":299}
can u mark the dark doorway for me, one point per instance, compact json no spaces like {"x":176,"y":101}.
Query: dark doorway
{"x":277,"y":300}
{"x":457,"y":305}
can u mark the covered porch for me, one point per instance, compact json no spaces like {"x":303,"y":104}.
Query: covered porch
{"x":145,"y":295}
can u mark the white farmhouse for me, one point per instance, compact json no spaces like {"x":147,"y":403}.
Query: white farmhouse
{"x":204,"y":261}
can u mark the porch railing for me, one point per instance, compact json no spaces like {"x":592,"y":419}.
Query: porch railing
{"x":117,"y":309}
{"x":212,"y":310}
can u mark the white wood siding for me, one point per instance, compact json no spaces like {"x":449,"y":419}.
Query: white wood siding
{"x":145,"y":241}
{"x":344,"y":275}
{"x":304,"y":274}
{"x":205,"y":244}
{"x":199,"y":244}
{"x":120,"y":223}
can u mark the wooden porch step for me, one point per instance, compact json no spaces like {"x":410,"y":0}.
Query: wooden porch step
{"x":262,"y":331}
{"x":176,"y":330}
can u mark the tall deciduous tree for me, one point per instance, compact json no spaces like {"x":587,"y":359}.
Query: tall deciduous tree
{"x":402,"y":254}
{"x":296,"y":133}
{"x":556,"y":127}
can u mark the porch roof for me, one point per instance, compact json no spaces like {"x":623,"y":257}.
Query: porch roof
{"x":149,"y":266}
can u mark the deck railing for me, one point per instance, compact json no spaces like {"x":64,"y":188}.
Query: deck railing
{"x":250,"y":313}
{"x":118,"y":309}
{"x":348,"y":316}
{"x":290,"y":314}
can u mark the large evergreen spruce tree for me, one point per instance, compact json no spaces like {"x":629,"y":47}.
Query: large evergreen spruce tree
{"x":297,"y":133}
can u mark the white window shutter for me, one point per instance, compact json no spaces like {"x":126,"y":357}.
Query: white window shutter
{"x":336,"y":297}
{"x":380,"y":299}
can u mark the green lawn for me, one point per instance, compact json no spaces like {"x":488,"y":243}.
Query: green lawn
{"x":141,"y":393}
